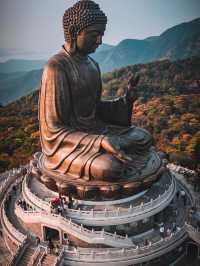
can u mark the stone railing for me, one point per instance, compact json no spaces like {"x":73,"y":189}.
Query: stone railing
{"x":193,"y":232}
{"x":19,"y":253}
{"x":132,"y":255}
{"x":9,"y":178}
{"x":60,"y":256}
{"x":184,"y":186}
{"x":89,"y":236}
{"x":105,"y":216}
{"x":118,"y":215}
{"x":13,"y":234}
{"x":126,"y":211}
{"x":38,"y":256}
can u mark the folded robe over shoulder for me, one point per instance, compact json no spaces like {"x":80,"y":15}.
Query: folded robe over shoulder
{"x":73,"y":119}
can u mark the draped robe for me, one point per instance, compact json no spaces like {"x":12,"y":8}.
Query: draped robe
{"x":73,"y":118}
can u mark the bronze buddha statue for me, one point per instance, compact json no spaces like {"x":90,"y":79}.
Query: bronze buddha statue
{"x":86,"y":141}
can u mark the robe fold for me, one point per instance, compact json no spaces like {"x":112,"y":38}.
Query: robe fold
{"x":73,"y":118}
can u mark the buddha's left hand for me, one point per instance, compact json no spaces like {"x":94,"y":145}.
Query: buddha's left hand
{"x":131,"y":94}
{"x":111,"y":145}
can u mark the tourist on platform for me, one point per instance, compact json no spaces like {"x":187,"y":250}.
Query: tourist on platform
{"x":65,"y":205}
{"x":177,"y":194}
{"x":19,"y":202}
{"x":174,"y":227}
{"x":162,"y":231}
{"x":37,"y":240}
{"x":147,"y":242}
{"x":75,"y":204}
{"x":52,"y":208}
{"x":55,"y":201}
{"x":14,"y":189}
{"x":62,"y":201}
{"x":50,"y":246}
{"x":57,"y":250}
{"x":175,"y":212}
{"x":9,"y":197}
{"x":70,"y":202}
{"x":24,"y":206}
{"x":183,"y":196}
{"x":168,"y":232}
{"x":59,"y":209}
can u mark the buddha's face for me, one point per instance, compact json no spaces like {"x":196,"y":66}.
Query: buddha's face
{"x":90,"y":38}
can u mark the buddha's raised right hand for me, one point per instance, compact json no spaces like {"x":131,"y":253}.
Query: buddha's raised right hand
{"x":111,"y":145}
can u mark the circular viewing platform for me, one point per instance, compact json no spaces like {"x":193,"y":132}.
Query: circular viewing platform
{"x":77,"y":222}
{"x":113,"y":212}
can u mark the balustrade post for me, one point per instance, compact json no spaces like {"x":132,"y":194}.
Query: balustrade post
{"x":105,"y":212}
{"x":70,"y":221}
{"x":92,"y":212}
{"x":77,"y":252}
{"x":115,"y":234}
{"x":102,"y":232}
{"x":92,"y":254}
{"x":81,"y":228}
{"x":151,"y":202}
{"x":118,"y":211}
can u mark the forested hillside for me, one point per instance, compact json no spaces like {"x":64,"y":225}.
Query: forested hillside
{"x":168,"y":105}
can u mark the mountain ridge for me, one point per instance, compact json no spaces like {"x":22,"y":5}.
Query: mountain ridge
{"x":179,"y":42}
{"x":184,"y":37}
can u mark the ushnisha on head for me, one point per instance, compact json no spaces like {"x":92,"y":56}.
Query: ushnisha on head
{"x":85,"y":15}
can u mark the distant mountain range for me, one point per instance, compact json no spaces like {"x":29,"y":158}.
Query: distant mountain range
{"x":24,"y":65}
{"x":19,"y":77}
{"x":17,"y":84}
{"x":20,"y":65}
{"x":179,"y":42}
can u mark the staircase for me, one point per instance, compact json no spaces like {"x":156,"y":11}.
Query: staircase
{"x":78,"y":231}
{"x":24,"y":261}
{"x":49,"y":260}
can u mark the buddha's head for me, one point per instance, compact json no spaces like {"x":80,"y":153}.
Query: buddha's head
{"x":84,"y":25}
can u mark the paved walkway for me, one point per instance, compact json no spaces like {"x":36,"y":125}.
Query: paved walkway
{"x":11,"y":214}
{"x":41,"y":190}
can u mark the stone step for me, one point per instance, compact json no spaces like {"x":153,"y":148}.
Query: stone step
{"x":49,"y":260}
{"x":26,"y":257}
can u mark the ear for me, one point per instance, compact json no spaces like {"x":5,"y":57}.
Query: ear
{"x":72,"y":39}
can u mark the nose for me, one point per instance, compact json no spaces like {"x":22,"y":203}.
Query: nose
{"x":99,"y":40}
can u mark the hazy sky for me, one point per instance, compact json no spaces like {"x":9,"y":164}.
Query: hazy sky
{"x":37,"y":24}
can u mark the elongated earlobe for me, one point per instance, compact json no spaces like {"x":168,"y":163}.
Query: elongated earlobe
{"x":72,"y":45}
{"x":72,"y":39}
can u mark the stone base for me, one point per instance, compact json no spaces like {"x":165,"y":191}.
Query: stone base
{"x":140,"y":179}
